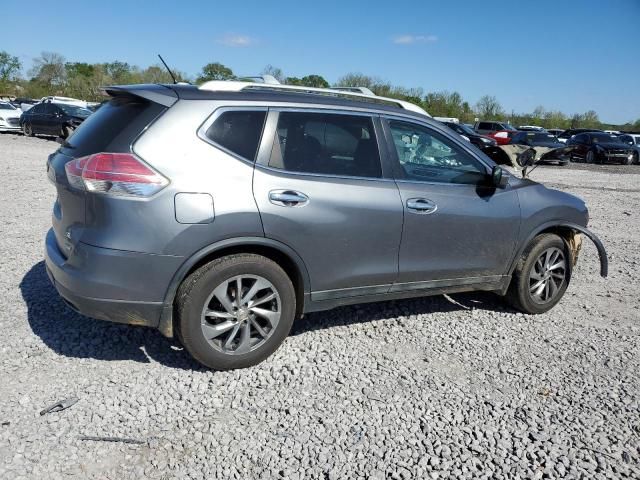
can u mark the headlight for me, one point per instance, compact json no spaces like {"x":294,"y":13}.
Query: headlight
{"x":485,"y":140}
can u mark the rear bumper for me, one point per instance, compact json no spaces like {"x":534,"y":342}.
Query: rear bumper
{"x":113,"y":285}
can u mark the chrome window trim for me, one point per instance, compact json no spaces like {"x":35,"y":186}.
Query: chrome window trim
{"x":271,"y":124}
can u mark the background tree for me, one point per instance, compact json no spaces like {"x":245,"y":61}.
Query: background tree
{"x":215,"y":71}
{"x":315,"y":81}
{"x":488,"y":108}
{"x":9,"y":70}
{"x":48,"y":69}
{"x":275,"y":72}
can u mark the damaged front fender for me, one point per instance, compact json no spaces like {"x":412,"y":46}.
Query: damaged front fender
{"x":602,"y":253}
{"x":513,"y":154}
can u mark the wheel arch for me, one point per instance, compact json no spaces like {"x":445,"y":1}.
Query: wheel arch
{"x":566,"y":231}
{"x":280,"y":253}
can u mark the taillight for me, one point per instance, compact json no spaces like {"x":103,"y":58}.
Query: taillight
{"x":114,"y":174}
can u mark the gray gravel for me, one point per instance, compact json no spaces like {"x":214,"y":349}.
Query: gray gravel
{"x":442,"y":387}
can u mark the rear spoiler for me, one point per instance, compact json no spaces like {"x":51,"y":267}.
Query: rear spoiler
{"x":161,"y":94}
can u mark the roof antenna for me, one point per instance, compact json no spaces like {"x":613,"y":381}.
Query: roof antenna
{"x":173,"y":77}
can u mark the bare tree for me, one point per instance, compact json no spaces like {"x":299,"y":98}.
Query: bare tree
{"x":488,"y":107}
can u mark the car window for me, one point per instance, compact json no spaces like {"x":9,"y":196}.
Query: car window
{"x":238,"y":131}
{"x":579,"y":138}
{"x":326,"y":143}
{"x":36,"y":109}
{"x":425,"y":155}
{"x":485,"y":126}
{"x":628,"y":139}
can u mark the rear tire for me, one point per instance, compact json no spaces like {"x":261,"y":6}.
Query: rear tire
{"x":542,"y":275}
{"x":590,"y":157}
{"x":221,"y":329}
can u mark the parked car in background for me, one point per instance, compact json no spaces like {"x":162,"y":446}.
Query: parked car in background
{"x":633,"y":140}
{"x":9,"y":117}
{"x":600,"y":147}
{"x":23,"y":103}
{"x":500,"y":131}
{"x":58,"y":119}
{"x":320,"y":201}
{"x":64,"y":100}
{"x":555,"y":131}
{"x":544,"y":140}
{"x":471,"y":135}
{"x":530,"y":128}
{"x":567,"y":134}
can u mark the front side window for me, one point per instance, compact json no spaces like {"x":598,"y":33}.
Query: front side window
{"x":425,"y":155}
{"x":238,"y":131}
{"x":326,"y":143}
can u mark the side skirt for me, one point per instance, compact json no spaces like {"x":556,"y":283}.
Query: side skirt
{"x":328,"y":299}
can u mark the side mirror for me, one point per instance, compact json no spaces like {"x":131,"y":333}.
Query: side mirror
{"x":498,"y":178}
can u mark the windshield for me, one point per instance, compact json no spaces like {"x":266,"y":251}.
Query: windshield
{"x":508,"y":128}
{"x":75,"y":111}
{"x":7,"y":106}
{"x":544,"y":137}
{"x":603,"y":138}
{"x":462,"y":127}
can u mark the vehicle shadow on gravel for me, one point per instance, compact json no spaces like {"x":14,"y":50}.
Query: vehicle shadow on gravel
{"x":371,"y":312}
{"x":73,"y":335}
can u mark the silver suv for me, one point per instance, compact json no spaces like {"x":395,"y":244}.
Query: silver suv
{"x":221,"y":213}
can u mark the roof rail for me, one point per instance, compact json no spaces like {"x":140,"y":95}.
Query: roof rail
{"x":238,"y":86}
{"x":364,"y":90}
{"x":266,"y":79}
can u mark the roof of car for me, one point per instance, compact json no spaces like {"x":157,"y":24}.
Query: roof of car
{"x":265,"y":93}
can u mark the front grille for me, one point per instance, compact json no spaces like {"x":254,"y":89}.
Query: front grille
{"x":14,"y":122}
{"x":617,"y":153}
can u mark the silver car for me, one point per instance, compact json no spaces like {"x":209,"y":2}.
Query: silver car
{"x":221,"y":213}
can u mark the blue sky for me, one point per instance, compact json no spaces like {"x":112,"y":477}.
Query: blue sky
{"x":571,"y":55}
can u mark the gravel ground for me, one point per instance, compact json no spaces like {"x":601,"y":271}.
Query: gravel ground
{"x":441,"y":387}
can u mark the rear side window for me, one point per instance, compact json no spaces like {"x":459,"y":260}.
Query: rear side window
{"x":326,"y":143}
{"x":113,"y":127}
{"x":238,"y":131}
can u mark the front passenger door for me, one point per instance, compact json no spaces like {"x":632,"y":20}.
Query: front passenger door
{"x":457,"y":230}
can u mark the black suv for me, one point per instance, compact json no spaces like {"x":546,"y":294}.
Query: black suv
{"x":59,"y":119}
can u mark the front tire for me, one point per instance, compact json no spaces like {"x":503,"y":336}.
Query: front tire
{"x":27,"y":129}
{"x":235,"y":311}
{"x":591,"y":157}
{"x":541,"y":276}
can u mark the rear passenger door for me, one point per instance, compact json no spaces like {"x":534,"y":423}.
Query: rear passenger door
{"x":322,"y":189}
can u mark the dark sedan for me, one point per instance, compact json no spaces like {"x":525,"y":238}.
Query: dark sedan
{"x":474,"y":137}
{"x":58,"y":119}
{"x":596,"y":147}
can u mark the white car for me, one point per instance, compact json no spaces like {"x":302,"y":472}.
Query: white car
{"x":65,"y":100}
{"x":9,"y":117}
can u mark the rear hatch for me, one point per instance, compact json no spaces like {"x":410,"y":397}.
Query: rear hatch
{"x":112,"y":128}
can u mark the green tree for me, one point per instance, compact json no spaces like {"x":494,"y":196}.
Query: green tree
{"x":9,"y":67}
{"x":215,"y":71}
{"x":120,"y":72}
{"x":315,"y":81}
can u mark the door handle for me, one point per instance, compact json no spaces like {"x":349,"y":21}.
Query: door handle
{"x":288,"y":198}
{"x":421,"y":205}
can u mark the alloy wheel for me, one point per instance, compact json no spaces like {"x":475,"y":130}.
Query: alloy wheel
{"x":547,"y":275}
{"x":240,"y":314}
